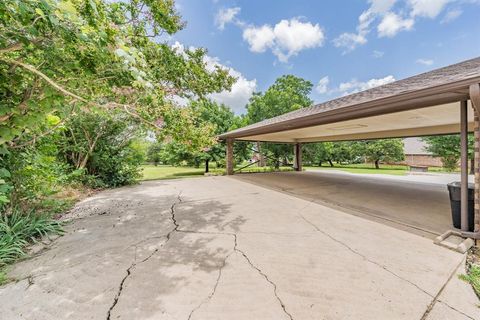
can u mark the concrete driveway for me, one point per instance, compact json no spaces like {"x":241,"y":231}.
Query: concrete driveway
{"x":220,"y":248}
{"x":416,"y":203}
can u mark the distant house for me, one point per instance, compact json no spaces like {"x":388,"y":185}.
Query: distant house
{"x":417,"y":155}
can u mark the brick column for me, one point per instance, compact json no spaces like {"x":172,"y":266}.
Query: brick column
{"x":297,"y":165}
{"x":477,"y":171}
{"x":229,"y":155}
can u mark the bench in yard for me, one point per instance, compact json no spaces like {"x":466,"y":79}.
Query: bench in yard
{"x":419,"y":168}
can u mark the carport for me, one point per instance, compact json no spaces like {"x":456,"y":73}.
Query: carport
{"x":442,"y":101}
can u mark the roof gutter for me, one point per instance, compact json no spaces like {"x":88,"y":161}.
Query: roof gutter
{"x":451,"y":92}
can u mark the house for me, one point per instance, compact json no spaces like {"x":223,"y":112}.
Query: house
{"x":417,"y":155}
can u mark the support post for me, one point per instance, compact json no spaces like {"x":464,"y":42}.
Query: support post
{"x":229,"y":155}
{"x":475,"y":99}
{"x":297,"y":164}
{"x":464,"y":165}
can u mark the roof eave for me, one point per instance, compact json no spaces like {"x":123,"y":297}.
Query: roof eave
{"x":446,"y":93}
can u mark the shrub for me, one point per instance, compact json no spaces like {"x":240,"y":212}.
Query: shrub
{"x":104,"y":147}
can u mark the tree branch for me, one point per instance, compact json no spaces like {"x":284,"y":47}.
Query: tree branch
{"x":127,"y":108}
{"x":13,"y":47}
{"x":34,"y":70}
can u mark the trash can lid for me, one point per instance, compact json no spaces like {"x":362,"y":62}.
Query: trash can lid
{"x":458,"y":184}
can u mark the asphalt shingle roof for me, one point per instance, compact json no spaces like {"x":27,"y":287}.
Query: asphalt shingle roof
{"x":457,"y":72}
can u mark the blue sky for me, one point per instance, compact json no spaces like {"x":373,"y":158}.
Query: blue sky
{"x":340,"y":46}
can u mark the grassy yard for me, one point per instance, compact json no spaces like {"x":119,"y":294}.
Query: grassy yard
{"x":151,"y":172}
{"x":160,"y":172}
{"x":367,"y":168}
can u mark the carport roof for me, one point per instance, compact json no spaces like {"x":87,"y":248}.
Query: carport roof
{"x":438,"y":88}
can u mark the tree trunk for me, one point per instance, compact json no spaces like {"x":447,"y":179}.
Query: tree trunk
{"x":331,"y":163}
{"x":376,"y":164}
{"x":320,"y":163}
{"x":472,"y":166}
{"x":206,"y":165}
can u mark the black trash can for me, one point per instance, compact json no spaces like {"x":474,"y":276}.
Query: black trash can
{"x":454,"y":188}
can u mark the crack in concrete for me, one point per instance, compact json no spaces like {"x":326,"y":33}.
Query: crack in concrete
{"x":217,"y":282}
{"x":214,"y":290}
{"x":129,"y":272}
{"x":235,"y":249}
{"x":134,"y":264}
{"x":363,"y":256}
{"x":436,"y":297}
{"x":263,"y":275}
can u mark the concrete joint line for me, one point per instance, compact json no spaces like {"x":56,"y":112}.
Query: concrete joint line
{"x":436,"y":297}
{"x":134,"y":263}
{"x":455,"y":309}
{"x":363,"y":256}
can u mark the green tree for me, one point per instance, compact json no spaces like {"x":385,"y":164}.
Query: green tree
{"x":447,"y":147}
{"x":381,"y":150}
{"x":207,"y":113}
{"x":104,"y":147}
{"x":63,"y":57}
{"x":60,"y":56}
{"x":154,"y":152}
{"x":287,"y":94}
{"x":318,"y":153}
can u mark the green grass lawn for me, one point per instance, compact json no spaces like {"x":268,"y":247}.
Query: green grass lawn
{"x":367,"y":168}
{"x":151,"y":172}
{"x":160,"y":172}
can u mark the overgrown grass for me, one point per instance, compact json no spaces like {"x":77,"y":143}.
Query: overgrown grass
{"x":473,"y":270}
{"x":473,"y":277}
{"x":17,"y":230}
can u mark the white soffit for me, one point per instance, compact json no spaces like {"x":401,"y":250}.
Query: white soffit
{"x":439,"y":119}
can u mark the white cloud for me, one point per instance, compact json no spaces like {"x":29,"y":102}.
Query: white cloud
{"x":451,"y":15}
{"x":427,"y":8}
{"x":226,"y":15}
{"x":348,"y":40}
{"x":395,"y":16}
{"x":286,"y":39}
{"x":259,"y":38}
{"x":237,"y":97}
{"x":381,"y":6}
{"x":392,"y":23}
{"x":427,"y":62}
{"x":354,"y":85}
{"x":322,"y":85}
{"x":378,"y":54}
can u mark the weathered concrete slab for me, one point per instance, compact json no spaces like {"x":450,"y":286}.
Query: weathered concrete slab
{"x":219,"y":248}
{"x":422,"y":208}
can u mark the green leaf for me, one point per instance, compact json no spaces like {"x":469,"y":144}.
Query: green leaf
{"x":40,"y":12}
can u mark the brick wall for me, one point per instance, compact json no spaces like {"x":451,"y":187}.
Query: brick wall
{"x":422,"y":160}
{"x":477,"y":172}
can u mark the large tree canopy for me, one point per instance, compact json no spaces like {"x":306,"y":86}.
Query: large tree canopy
{"x":288,"y":93}
{"x":69,"y":55}
{"x":447,"y":147}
